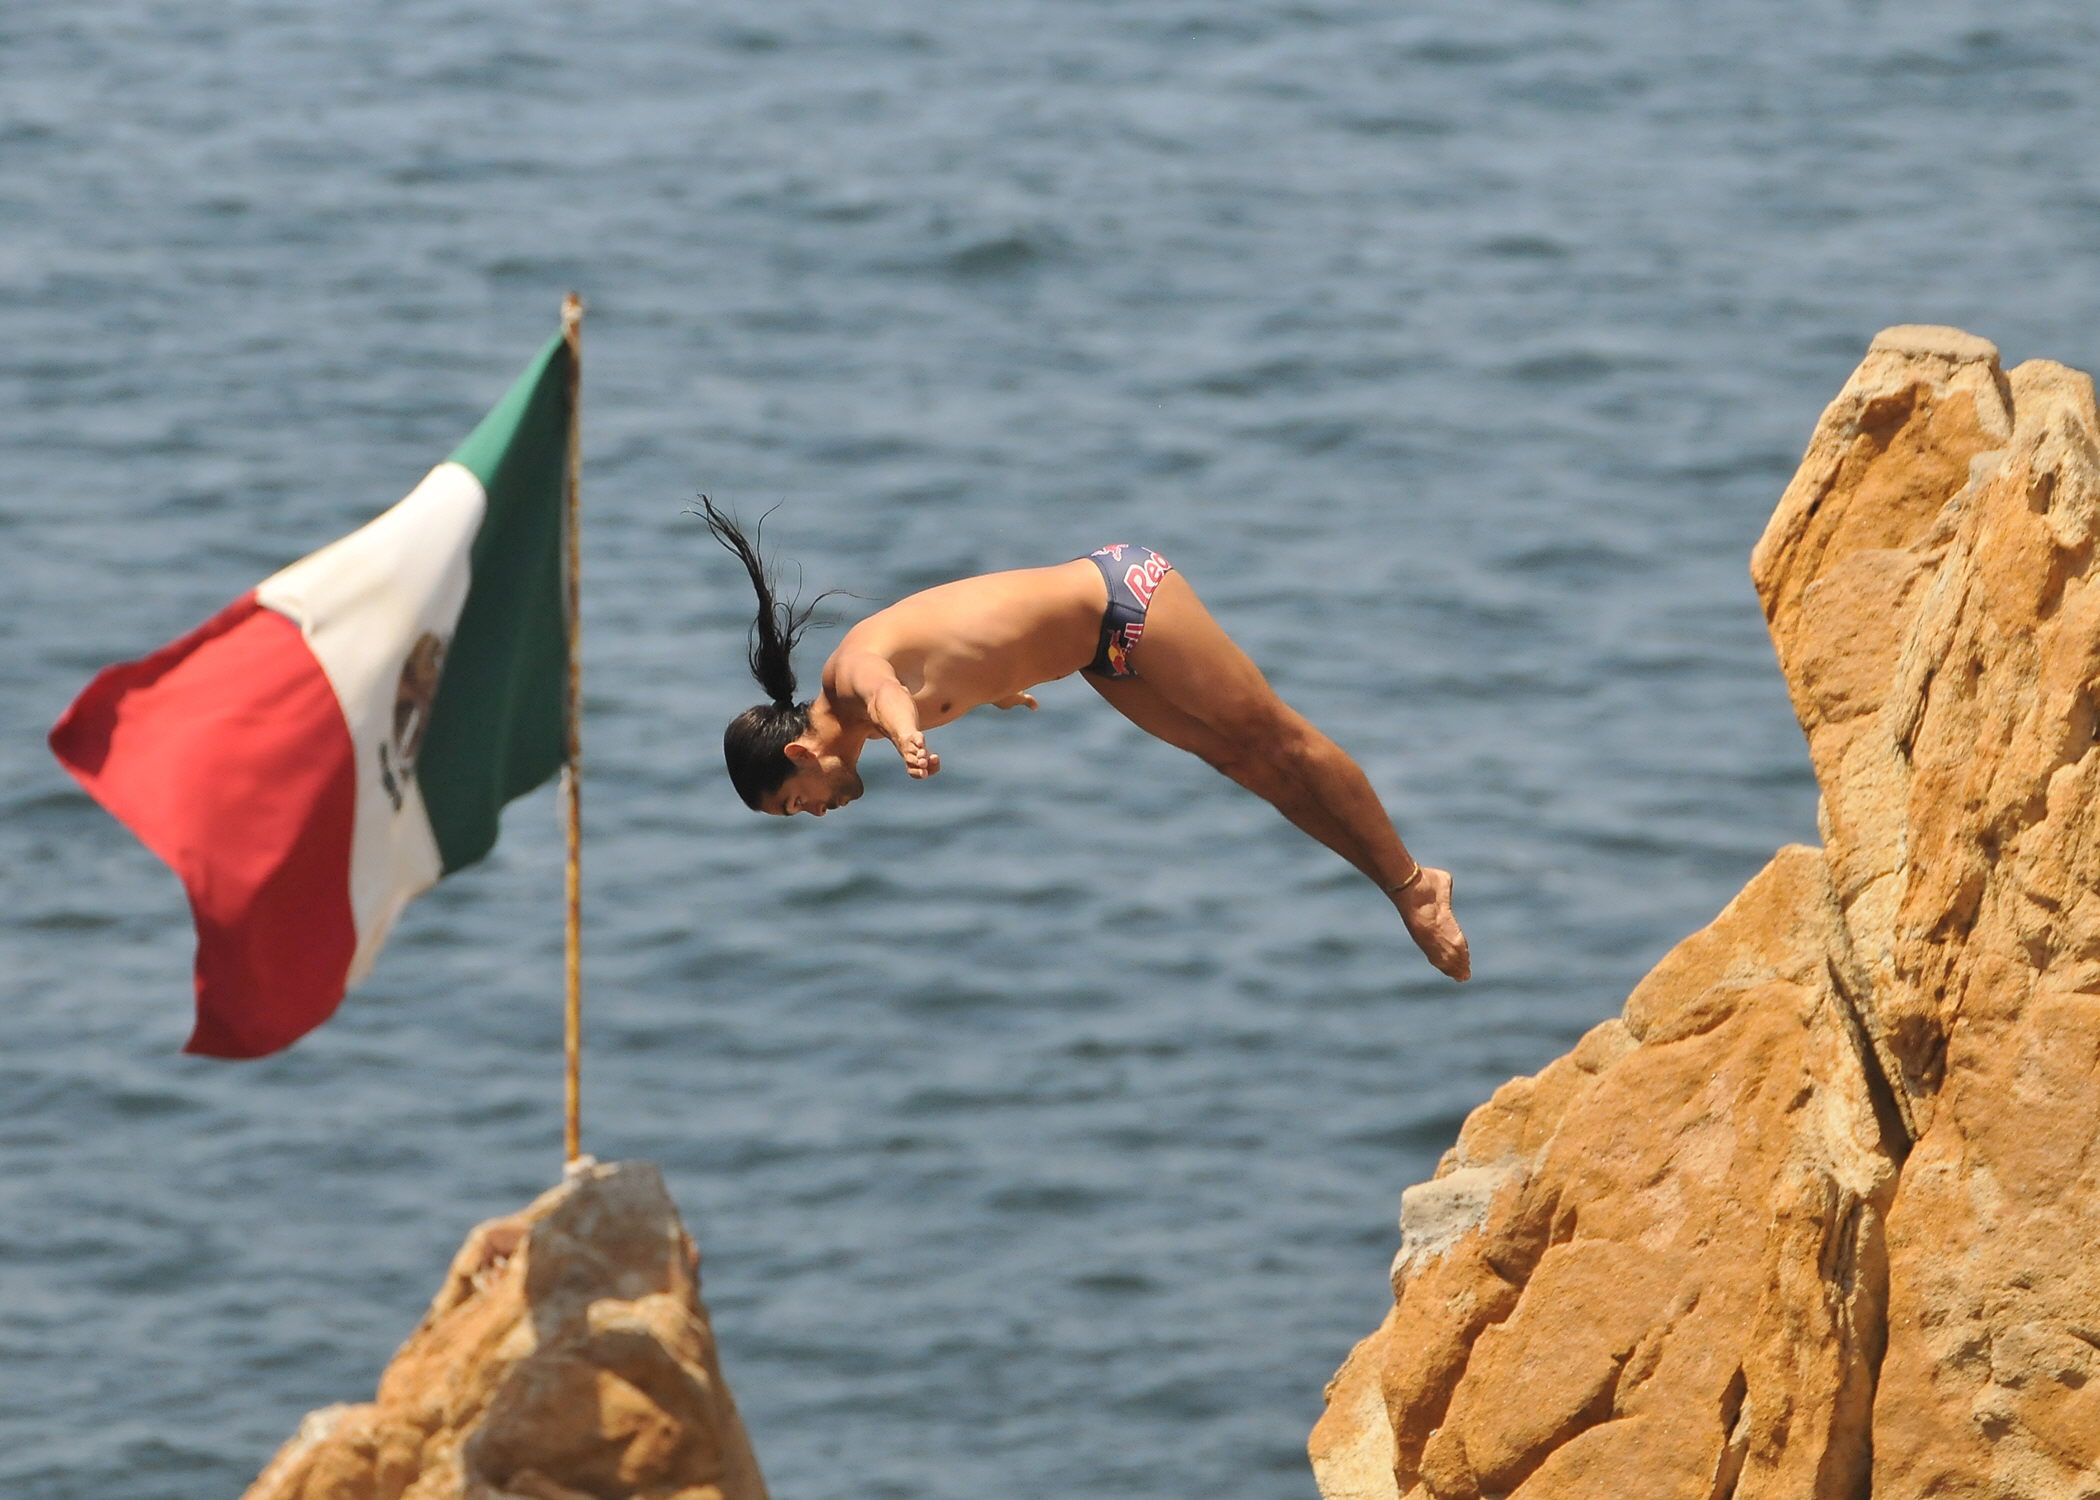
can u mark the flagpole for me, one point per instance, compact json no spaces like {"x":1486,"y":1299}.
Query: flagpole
{"x":572,"y":756}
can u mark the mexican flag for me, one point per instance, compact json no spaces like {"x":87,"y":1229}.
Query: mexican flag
{"x":331,"y":743}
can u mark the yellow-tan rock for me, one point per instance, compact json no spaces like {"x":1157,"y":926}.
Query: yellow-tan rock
{"x":567,"y":1357}
{"x":1816,"y":1215}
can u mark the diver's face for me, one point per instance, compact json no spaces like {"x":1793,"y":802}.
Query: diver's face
{"x":816,"y":789}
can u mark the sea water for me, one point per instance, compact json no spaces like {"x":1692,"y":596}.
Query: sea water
{"x":1042,"y":1125}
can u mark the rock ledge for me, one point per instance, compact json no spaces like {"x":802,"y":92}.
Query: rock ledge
{"x":1813,"y":1216}
{"x":566,"y":1357}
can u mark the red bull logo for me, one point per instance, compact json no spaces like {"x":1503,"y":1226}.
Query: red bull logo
{"x":1121,"y":643}
{"x":1113,"y":551}
{"x":1144,"y":577}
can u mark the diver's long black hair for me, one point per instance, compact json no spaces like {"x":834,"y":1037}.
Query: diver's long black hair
{"x":755,"y":742}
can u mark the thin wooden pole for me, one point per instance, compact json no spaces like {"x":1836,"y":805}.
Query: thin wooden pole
{"x":572,"y":759}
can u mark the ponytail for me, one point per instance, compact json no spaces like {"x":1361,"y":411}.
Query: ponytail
{"x":779,"y":626}
{"x":755,"y":743}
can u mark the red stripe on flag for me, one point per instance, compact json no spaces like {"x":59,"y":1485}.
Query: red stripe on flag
{"x":227,"y":754}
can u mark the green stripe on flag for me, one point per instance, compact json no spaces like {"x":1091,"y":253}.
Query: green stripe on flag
{"x":497,"y":726}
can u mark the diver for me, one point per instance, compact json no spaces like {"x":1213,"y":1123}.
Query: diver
{"x":1124,"y":618}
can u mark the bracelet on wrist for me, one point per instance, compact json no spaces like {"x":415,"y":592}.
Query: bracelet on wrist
{"x":1398,"y":886}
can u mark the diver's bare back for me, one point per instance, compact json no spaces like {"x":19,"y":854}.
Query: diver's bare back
{"x":975,"y":641}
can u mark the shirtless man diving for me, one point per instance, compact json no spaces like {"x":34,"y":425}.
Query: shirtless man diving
{"x":1122,"y":617}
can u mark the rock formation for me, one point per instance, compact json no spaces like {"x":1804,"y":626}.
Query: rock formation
{"x":1819,"y":1213}
{"x":567,"y":1357}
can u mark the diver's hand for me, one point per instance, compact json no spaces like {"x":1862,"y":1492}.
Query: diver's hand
{"x":1016,"y":700}
{"x":919,"y":762}
{"x":1425,"y":907}
{"x":896,"y":719}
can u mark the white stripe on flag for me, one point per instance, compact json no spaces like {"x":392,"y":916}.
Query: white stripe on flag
{"x":363,"y":604}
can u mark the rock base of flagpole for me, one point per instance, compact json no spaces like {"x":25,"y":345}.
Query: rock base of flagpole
{"x":567,"y":1357}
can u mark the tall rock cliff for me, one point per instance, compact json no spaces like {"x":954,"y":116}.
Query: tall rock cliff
{"x":566,"y":1357}
{"x":1819,"y":1213}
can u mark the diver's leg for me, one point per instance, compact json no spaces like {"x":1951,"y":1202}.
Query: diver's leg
{"x":1137,"y":700}
{"x":1196,"y":668}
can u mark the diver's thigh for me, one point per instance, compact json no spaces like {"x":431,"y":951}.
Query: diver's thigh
{"x":1194,"y":666}
{"x":1142,"y":704}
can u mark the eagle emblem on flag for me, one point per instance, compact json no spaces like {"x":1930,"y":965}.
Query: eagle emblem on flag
{"x":413,"y":694}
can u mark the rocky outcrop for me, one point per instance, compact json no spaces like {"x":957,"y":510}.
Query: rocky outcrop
{"x":567,"y":1357}
{"x":1816,"y":1215}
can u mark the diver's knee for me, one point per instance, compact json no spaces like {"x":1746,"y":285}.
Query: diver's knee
{"x":1292,"y":745}
{"x":1243,"y":766}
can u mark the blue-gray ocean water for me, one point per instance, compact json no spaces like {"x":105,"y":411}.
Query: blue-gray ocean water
{"x":1042,"y":1126}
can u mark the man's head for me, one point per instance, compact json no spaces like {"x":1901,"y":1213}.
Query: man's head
{"x":820,"y":783}
{"x":778,"y":764}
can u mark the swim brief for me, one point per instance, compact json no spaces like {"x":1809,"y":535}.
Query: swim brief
{"x":1131,"y":573}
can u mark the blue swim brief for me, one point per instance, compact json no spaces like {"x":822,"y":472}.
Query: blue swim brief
{"x":1131,"y":573}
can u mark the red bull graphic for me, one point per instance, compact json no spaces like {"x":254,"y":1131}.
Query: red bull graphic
{"x":1121,"y":642}
{"x":1130,"y":592}
{"x":1144,"y":577}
